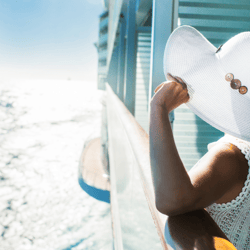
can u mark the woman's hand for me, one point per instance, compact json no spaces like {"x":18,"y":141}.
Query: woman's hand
{"x":170,"y":94}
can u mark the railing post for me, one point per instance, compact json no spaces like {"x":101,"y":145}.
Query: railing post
{"x":130,"y":59}
{"x":163,"y":20}
{"x":121,"y":58}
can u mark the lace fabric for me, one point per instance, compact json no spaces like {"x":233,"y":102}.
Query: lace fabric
{"x":234,"y":217}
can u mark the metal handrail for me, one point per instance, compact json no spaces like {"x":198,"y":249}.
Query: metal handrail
{"x":194,"y":230}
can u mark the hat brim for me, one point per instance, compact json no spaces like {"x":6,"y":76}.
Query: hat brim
{"x":189,"y":55}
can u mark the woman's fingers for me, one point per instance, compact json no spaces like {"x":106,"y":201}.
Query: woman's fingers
{"x":184,"y":85}
{"x":174,"y":82}
{"x":170,"y":77}
{"x":158,"y":87}
{"x":170,"y":94}
{"x":176,"y":79}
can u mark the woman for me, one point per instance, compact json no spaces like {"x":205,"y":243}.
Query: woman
{"x":219,"y":182}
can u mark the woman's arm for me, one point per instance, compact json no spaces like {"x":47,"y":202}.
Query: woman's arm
{"x":176,"y":191}
{"x":170,"y":178}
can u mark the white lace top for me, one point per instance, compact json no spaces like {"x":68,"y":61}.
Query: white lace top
{"x":234,"y":217}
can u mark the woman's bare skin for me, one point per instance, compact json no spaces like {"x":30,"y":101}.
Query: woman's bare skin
{"x":219,"y":177}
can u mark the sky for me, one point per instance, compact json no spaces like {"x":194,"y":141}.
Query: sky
{"x":49,"y":39}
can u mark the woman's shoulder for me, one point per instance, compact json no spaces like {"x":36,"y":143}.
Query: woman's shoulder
{"x":235,"y":147}
{"x":227,"y":159}
{"x":243,"y":146}
{"x":238,"y":153}
{"x":239,"y":168}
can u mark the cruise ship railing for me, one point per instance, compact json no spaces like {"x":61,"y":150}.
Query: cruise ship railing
{"x":135,"y":220}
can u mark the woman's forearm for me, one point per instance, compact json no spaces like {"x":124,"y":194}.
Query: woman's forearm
{"x":171,"y":180}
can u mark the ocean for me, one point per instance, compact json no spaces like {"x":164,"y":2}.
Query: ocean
{"x":43,"y":127}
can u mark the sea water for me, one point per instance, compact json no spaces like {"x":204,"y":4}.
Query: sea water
{"x":43,"y":127}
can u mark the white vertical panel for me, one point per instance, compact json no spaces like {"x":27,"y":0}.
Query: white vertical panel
{"x":142,"y":79}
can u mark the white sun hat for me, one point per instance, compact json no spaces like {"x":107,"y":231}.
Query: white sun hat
{"x":218,"y":79}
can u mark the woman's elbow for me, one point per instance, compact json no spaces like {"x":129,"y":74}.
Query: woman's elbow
{"x":172,"y":208}
{"x":165,"y":210}
{"x":168,"y":210}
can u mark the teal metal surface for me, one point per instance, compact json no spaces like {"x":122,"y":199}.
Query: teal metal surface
{"x":121,"y":60}
{"x":106,"y":3}
{"x":102,"y":50}
{"x":102,"y":70}
{"x":115,"y":7}
{"x":130,"y":58}
{"x":102,"y":54}
{"x":142,"y":9}
{"x":113,"y":69}
{"x":103,"y":38}
{"x":103,"y":23}
{"x":217,"y":20}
